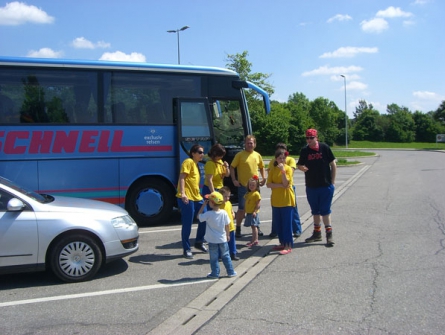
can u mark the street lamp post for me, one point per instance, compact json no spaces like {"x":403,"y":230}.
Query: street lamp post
{"x":177,"y":33}
{"x":346,"y":116}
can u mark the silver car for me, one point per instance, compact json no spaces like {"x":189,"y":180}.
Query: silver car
{"x":73,"y":237}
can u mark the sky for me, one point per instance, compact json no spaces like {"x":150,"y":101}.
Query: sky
{"x":388,"y":51}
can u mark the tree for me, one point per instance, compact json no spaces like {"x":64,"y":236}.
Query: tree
{"x":402,"y":127}
{"x":367,"y":127}
{"x":259,"y":119}
{"x":298,"y":106}
{"x":362,"y":106}
{"x":426,"y":127}
{"x":325,"y":115}
{"x":273,"y":129}
{"x":439,"y":114}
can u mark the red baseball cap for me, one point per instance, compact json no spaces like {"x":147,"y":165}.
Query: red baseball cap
{"x":311,"y":133}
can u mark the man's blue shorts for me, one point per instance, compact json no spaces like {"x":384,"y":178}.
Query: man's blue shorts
{"x":320,"y":199}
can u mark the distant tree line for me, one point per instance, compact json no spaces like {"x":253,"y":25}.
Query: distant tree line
{"x":288,"y":121}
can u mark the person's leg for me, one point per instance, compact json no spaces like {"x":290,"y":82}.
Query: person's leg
{"x":326,"y":202}
{"x":186,"y":220}
{"x":286,"y":228}
{"x":225,"y":256}
{"x":296,"y":223}
{"x":240,"y":213}
{"x":314,"y":202}
{"x":200,"y":232}
{"x":214,"y":264}
{"x":232,"y":246}
{"x":274,"y":229}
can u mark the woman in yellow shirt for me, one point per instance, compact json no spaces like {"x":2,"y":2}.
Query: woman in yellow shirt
{"x":282,"y":200}
{"x":190,"y":200}
{"x":215,"y":170}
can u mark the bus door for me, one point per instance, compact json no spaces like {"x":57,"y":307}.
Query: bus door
{"x":195,"y":126}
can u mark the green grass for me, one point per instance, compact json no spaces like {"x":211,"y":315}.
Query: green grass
{"x":390,"y":145}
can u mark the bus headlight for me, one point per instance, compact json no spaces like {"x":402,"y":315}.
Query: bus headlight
{"x":123,"y":222}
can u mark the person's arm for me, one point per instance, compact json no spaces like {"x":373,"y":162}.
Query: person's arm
{"x":263,"y":176}
{"x":257,"y":208}
{"x":184,"y":198}
{"x":232,"y":174}
{"x":204,"y":204}
{"x":227,"y":169}
{"x":333,"y":171}
{"x":209,"y":181}
{"x":226,"y":227}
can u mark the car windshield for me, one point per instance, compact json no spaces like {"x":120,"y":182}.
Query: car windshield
{"x":36,"y":196}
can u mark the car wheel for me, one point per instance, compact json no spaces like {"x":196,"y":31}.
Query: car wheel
{"x":150,"y":202}
{"x":76,"y":258}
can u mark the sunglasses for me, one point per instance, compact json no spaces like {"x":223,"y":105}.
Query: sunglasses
{"x":200,"y":152}
{"x":310,"y":137}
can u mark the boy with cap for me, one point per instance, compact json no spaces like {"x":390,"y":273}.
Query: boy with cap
{"x":217,"y":234}
{"x":318,"y":164}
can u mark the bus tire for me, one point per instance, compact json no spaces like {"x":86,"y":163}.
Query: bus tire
{"x":150,"y":202}
{"x":75,"y":258}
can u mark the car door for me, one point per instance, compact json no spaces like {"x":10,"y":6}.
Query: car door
{"x":18,"y":235}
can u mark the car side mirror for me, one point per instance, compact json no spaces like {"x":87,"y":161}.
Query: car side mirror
{"x":15,"y":205}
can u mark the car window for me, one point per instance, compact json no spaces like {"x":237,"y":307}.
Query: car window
{"x":36,"y":196}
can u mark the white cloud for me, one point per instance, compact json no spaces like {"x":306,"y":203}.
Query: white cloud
{"x":426,"y":95}
{"x":348,"y":52}
{"x":356,"y":86}
{"x":339,"y":17}
{"x":326,"y":70}
{"x":16,"y":13}
{"x":376,"y":25}
{"x":120,"y":56}
{"x":392,"y":12}
{"x":45,"y":53}
{"x":83,"y":43}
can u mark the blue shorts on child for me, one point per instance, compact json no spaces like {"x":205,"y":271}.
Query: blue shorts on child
{"x":252,"y":221}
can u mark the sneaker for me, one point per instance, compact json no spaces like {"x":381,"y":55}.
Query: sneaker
{"x":210,"y":276}
{"x":201,"y":246}
{"x":316,"y":236}
{"x":234,"y":257}
{"x":297,"y":235}
{"x":273,"y":235}
{"x":260,"y":233}
{"x":329,"y":239}
{"x":232,"y":275}
{"x":188,"y":254}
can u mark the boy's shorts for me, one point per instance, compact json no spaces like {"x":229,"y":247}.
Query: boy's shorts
{"x":252,"y":221}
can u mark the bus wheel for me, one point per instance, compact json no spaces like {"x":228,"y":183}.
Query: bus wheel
{"x":75,"y":258}
{"x":150,"y":202}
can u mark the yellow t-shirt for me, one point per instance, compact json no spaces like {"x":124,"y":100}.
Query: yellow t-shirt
{"x":217,"y":170}
{"x":251,"y":201}
{"x":191,"y":181}
{"x":281,"y":197}
{"x":247,"y":165}
{"x":289,"y":161}
{"x":227,"y":206}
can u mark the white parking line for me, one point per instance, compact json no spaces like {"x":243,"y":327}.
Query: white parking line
{"x":98,"y":293}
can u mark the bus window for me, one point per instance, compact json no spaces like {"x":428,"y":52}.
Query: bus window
{"x":147,"y":97}
{"x":49,"y":96}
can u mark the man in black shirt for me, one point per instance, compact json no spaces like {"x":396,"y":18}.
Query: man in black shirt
{"x":318,"y":164}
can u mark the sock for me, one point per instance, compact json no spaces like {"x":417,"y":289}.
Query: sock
{"x":328,"y":229}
